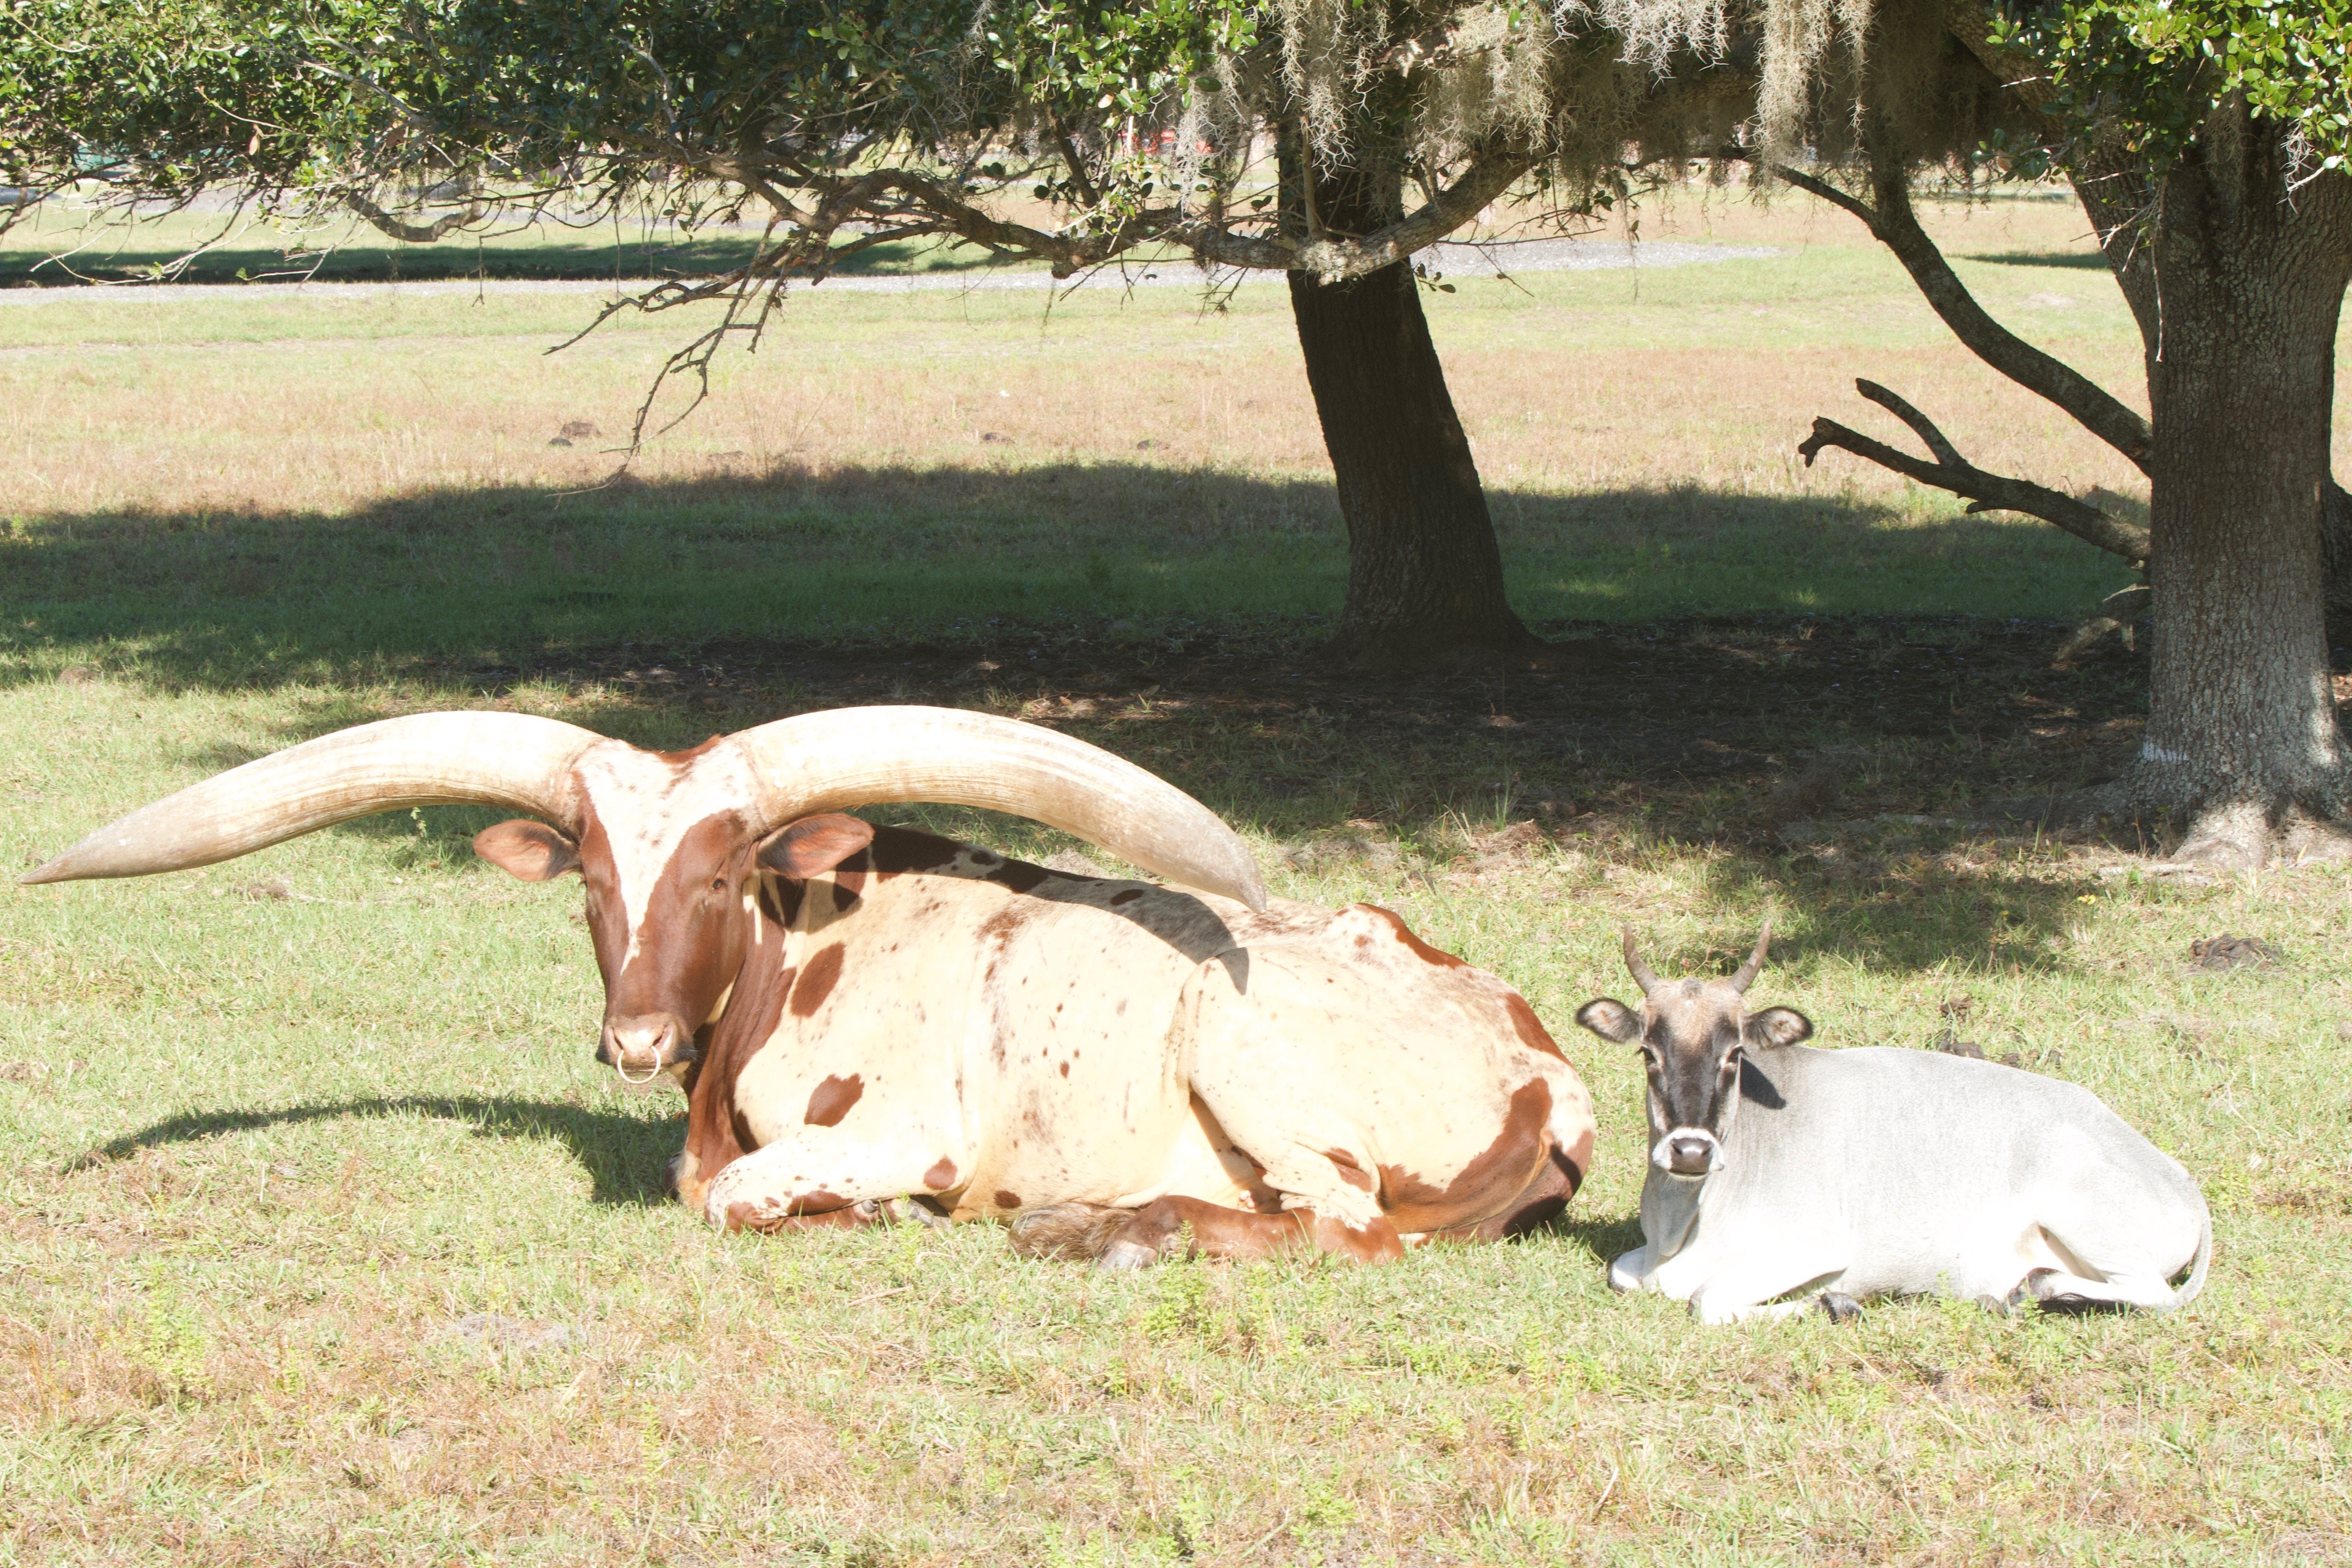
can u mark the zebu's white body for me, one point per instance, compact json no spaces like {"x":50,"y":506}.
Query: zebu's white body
{"x":1880,"y":1172}
{"x":1887,"y":1173}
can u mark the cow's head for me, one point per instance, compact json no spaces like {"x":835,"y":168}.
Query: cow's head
{"x":672,"y":845}
{"x":1694,"y":1034}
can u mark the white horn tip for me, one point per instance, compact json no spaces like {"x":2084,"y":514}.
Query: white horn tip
{"x":59,"y":869}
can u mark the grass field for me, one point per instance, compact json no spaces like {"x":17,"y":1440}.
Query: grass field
{"x":323,"y":1240}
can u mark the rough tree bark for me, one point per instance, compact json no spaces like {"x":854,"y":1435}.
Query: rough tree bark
{"x":2251,"y":277}
{"x":2116,"y":196}
{"x":1424,"y":574}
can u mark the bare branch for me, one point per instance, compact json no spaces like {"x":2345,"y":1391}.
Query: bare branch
{"x":414,"y":233}
{"x":1989,"y":493}
{"x":1894,"y":224}
{"x":1945,"y":453}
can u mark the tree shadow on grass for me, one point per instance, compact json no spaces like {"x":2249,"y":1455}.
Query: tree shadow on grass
{"x":475,"y":588}
{"x":2090,"y":261}
{"x":626,"y":1156}
{"x":1172,"y":617}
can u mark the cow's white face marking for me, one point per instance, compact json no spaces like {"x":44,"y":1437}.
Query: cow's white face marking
{"x":647,"y":805}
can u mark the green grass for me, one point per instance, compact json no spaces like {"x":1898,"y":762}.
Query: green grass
{"x":323,"y":1239}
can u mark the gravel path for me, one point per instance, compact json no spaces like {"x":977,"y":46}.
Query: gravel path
{"x":1452,"y":260}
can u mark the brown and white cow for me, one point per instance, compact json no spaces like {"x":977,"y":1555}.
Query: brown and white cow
{"x":873,"y":1022}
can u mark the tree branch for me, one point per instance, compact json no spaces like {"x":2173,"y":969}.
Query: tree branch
{"x":1988,"y":492}
{"x":1894,"y":224}
{"x":412,"y":233}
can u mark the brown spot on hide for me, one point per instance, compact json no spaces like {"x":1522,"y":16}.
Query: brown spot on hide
{"x":829,"y":1101}
{"x":1489,"y":1184}
{"x":717,"y":1132}
{"x":940,"y":1176}
{"x":1006,"y":1200}
{"x":816,"y":981}
{"x":1352,"y":1173}
{"x":1541,"y":1202}
{"x":1066,"y":1069}
{"x":1421,"y":948}
{"x":1532,"y":1033}
{"x":1128,"y":896}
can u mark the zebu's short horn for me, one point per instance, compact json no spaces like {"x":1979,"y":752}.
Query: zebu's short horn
{"x":867,"y":756}
{"x":1744,"y":975}
{"x":510,"y":760}
{"x":1636,"y":967}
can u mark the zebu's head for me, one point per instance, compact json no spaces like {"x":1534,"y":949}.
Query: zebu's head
{"x":671,"y":844}
{"x":1694,"y":1034}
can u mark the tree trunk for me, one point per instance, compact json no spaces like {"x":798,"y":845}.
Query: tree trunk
{"x":2242,"y":728}
{"x":1424,"y":574}
{"x":2115,"y":196}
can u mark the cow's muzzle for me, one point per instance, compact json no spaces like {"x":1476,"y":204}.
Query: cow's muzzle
{"x":640,"y":1048}
{"x":1688,"y":1151}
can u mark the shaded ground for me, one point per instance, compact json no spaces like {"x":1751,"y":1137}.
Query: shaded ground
{"x":1745,"y":731}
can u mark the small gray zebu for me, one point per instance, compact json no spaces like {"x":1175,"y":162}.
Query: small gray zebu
{"x":1781,"y":1178}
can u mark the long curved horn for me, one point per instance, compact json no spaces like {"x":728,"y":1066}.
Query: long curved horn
{"x":1640,"y":970}
{"x":869,"y":756}
{"x":511,"y":760}
{"x":1744,"y":975}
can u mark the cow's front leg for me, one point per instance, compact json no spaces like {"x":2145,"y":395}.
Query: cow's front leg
{"x":1631,"y":1270}
{"x":825,"y":1182}
{"x":1188,"y":1226}
{"x":1730,"y":1290}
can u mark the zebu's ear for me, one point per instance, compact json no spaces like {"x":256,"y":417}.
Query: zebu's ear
{"x":1611,"y":1019}
{"x":530,"y":850}
{"x":1779,"y":1026}
{"x":813,"y":845}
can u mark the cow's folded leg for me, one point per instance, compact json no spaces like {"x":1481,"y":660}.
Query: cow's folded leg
{"x":1626,"y":1273}
{"x":1737,"y":1295}
{"x":1189,"y":1227}
{"x":2054,"y":1290}
{"x":816,"y":1181}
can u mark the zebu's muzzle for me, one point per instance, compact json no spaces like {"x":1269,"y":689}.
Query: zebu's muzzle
{"x":641,"y":1049}
{"x":1688,"y":1151}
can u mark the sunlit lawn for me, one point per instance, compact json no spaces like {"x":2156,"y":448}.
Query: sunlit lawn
{"x":325,"y":1241}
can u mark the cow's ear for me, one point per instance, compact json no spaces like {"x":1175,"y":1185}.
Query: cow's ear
{"x":1779,"y":1026}
{"x":531,"y":850}
{"x":813,"y":845}
{"x":1611,"y":1019}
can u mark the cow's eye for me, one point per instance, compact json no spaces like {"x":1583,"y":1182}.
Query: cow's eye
{"x":719,"y":884}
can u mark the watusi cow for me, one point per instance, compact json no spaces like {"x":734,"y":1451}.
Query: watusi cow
{"x":873,"y":1023}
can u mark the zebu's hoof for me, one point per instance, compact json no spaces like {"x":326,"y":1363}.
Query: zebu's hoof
{"x":2029,"y":1289}
{"x":1126,"y":1255}
{"x":1841,"y":1307}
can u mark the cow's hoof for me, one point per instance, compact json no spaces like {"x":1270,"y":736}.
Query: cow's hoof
{"x":1841,"y":1307}
{"x":1126,"y":1255}
{"x":2029,"y":1289}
